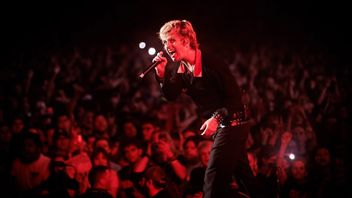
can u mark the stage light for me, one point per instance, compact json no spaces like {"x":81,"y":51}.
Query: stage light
{"x":292,"y":156}
{"x":142,"y":45}
{"x":151,"y":51}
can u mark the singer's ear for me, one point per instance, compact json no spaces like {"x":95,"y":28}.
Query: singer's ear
{"x":185,"y":41}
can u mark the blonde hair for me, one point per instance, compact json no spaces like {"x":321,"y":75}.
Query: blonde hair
{"x":183,"y":27}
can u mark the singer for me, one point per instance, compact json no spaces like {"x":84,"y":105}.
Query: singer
{"x":208,"y":81}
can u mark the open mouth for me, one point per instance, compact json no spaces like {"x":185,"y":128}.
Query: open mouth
{"x":171,"y":53}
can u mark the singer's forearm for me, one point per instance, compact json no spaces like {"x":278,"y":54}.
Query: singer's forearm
{"x":159,"y":73}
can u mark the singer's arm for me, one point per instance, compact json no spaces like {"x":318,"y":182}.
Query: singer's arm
{"x":171,"y":83}
{"x":161,"y":66}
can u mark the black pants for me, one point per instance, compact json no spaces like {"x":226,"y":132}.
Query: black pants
{"x":228,"y":159}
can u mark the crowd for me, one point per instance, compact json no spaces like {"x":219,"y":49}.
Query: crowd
{"x":79,"y":123}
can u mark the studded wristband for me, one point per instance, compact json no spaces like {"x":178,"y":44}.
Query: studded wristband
{"x":219,"y":118}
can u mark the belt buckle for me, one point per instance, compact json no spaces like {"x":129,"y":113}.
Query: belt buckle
{"x":235,"y":123}
{"x":237,"y":118}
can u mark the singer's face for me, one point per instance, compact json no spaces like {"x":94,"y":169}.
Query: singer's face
{"x":175,"y":46}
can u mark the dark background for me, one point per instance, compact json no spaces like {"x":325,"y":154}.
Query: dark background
{"x":32,"y":29}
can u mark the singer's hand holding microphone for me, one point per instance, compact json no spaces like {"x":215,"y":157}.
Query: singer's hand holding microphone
{"x":159,"y":63}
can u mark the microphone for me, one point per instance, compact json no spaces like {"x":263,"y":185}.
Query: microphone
{"x":150,"y":67}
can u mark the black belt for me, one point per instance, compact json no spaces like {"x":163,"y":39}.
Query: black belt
{"x":237,"y":118}
{"x":237,"y":123}
{"x":234,"y":123}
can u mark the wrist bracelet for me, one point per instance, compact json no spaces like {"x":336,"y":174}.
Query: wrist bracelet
{"x":218,"y":117}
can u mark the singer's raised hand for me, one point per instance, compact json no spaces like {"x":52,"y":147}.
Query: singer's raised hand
{"x":160,"y":68}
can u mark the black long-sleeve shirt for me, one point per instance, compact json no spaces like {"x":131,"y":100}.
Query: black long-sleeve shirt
{"x":215,"y":91}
